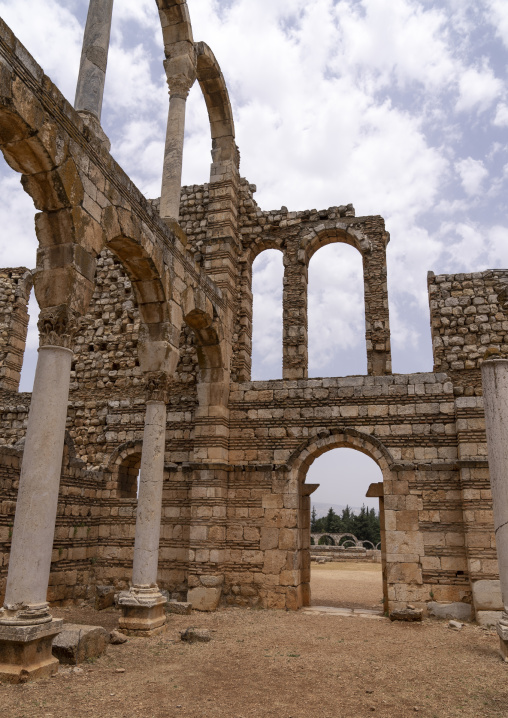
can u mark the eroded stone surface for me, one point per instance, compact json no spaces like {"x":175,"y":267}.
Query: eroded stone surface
{"x":76,"y":643}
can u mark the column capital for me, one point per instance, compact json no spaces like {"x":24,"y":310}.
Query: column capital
{"x":157,"y":386}
{"x":58,"y":326}
{"x":180,"y":75}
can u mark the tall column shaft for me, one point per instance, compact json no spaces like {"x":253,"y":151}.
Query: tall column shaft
{"x":34,"y":523}
{"x":94,"y":58}
{"x":495,"y":397}
{"x":294,"y":309}
{"x":148,"y":518}
{"x":173,"y":158}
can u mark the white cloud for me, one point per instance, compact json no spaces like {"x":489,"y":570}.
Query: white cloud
{"x":501,"y":118}
{"x":472,"y":173}
{"x":499,"y":18}
{"x":478,"y":89}
{"x":268,"y":273}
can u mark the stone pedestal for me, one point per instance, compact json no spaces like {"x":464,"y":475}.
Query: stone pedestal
{"x":495,"y":398}
{"x":143,"y":611}
{"x":502,"y":632}
{"x":25,"y":651}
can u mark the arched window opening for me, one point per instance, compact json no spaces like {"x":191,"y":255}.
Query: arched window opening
{"x":18,"y":246}
{"x":336,"y":312}
{"x":198,"y":144}
{"x":128,"y":476}
{"x":267,"y":279}
{"x":346,"y":532}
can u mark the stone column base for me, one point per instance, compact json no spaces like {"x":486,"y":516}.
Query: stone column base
{"x":25,"y":651}
{"x":502,"y":632}
{"x":143,"y":611}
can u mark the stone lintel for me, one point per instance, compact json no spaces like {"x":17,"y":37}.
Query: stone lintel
{"x":308,"y":489}
{"x":375,"y":491}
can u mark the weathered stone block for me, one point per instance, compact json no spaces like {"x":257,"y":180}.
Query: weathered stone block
{"x":179,"y":607}
{"x":203,"y":598}
{"x":457,"y":610}
{"x":487,"y":596}
{"x":76,"y":643}
{"x":104,"y":597}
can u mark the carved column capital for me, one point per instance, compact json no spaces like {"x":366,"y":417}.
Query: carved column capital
{"x":157,"y":386}
{"x":58,"y":326}
{"x":180,"y":75}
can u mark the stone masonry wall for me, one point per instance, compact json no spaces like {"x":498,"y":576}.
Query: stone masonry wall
{"x":15,"y":286}
{"x":469,"y":316}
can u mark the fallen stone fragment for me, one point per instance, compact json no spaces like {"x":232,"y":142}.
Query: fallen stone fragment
{"x":179,"y":607}
{"x":195,"y":635}
{"x":120,"y":670}
{"x":456,"y":625}
{"x":75,"y":643}
{"x":458,"y":611}
{"x":115,"y":637}
{"x":406,"y":614}
{"x":104,"y":597}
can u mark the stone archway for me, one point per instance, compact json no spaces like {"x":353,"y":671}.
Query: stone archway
{"x":299,"y":465}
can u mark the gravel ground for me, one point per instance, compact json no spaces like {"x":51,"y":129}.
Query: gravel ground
{"x":277,"y":664}
{"x":347,"y":585}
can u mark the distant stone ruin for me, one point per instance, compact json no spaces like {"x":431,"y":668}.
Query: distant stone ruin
{"x":326,"y":547}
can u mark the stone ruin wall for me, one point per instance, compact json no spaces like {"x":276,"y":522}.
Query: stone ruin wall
{"x":468,"y":318}
{"x":251,"y":516}
{"x":235,"y":499}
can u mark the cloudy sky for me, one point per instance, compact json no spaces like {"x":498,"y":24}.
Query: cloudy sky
{"x":398,"y":106}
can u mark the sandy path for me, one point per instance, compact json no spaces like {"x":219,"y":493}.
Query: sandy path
{"x":347,"y":585}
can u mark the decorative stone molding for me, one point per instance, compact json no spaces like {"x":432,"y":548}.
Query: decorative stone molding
{"x":58,"y":326}
{"x":157,"y":386}
{"x":25,"y":615}
{"x":181,"y":75}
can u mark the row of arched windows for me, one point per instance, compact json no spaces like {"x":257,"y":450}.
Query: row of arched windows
{"x":336,"y":313}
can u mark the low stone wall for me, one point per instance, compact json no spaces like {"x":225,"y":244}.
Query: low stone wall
{"x":336,"y":553}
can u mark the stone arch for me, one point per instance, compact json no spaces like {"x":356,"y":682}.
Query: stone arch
{"x":220,"y":114}
{"x":175,"y":23}
{"x":149,"y":276}
{"x":305,"y":455}
{"x":337,"y":232}
{"x":200,"y":315}
{"x":124,"y":464}
{"x":297,"y":468}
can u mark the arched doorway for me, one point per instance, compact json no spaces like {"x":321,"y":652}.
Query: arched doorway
{"x":345,"y":544}
{"x":299,"y":466}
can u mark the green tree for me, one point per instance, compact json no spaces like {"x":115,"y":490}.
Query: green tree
{"x":313,"y":520}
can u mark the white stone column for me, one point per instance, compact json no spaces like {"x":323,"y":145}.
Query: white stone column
{"x":25,"y":618}
{"x":146,"y":546}
{"x":495,"y":398}
{"x":94,"y":58}
{"x":143,"y":605}
{"x":92,"y":69}
{"x":181,"y":74}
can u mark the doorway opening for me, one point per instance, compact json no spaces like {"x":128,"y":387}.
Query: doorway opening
{"x":346,"y":532}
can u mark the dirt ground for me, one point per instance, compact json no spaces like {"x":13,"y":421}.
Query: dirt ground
{"x":277,"y":664}
{"x":347,"y":585}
